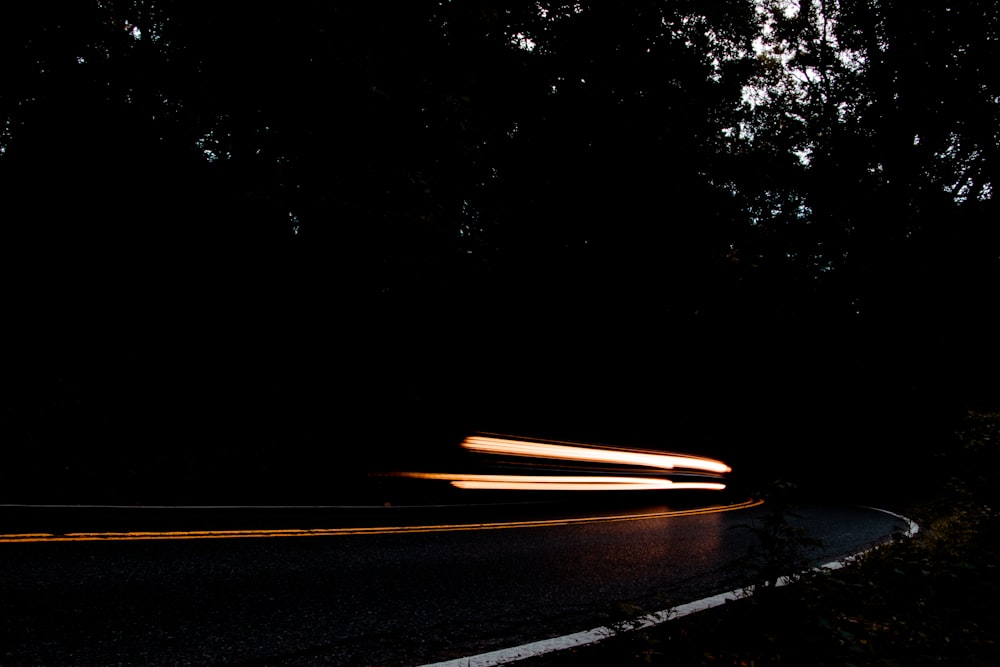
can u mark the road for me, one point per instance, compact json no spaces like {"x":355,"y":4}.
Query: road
{"x":381,"y":598}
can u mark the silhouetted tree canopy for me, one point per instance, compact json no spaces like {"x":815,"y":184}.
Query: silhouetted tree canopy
{"x":228,"y":226}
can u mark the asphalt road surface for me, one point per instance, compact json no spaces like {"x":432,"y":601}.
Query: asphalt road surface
{"x":371,"y":598}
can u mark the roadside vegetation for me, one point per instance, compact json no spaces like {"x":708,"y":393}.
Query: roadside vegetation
{"x":921,"y":600}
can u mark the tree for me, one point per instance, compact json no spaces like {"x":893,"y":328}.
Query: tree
{"x":455,"y":190}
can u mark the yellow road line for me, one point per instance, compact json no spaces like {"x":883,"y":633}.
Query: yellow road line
{"x":373,"y":530}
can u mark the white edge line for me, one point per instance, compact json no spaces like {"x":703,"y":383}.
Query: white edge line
{"x":912,"y":527}
{"x":535,"y":649}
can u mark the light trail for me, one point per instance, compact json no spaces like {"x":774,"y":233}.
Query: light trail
{"x":558,"y":482}
{"x":567,"y":452}
{"x":371,"y":530}
{"x":591,"y":486}
{"x":627,"y":459}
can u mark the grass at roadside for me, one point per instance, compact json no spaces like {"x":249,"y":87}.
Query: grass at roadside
{"x":930,"y":599}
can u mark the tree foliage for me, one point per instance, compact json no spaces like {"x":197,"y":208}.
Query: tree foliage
{"x":329,"y":203}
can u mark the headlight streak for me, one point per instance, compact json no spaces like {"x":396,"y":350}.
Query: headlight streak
{"x":627,"y":460}
{"x":560,"y":482}
{"x":582,"y":486}
{"x":492,"y":445}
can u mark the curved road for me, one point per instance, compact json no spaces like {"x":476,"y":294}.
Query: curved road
{"x":355,"y":598}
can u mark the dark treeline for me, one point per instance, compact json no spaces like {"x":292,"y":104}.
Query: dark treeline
{"x":245,"y":241}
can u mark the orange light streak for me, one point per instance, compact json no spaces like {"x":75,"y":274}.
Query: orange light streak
{"x":492,"y":445}
{"x":559,"y":482}
{"x":583,"y":486}
{"x":630,"y":460}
